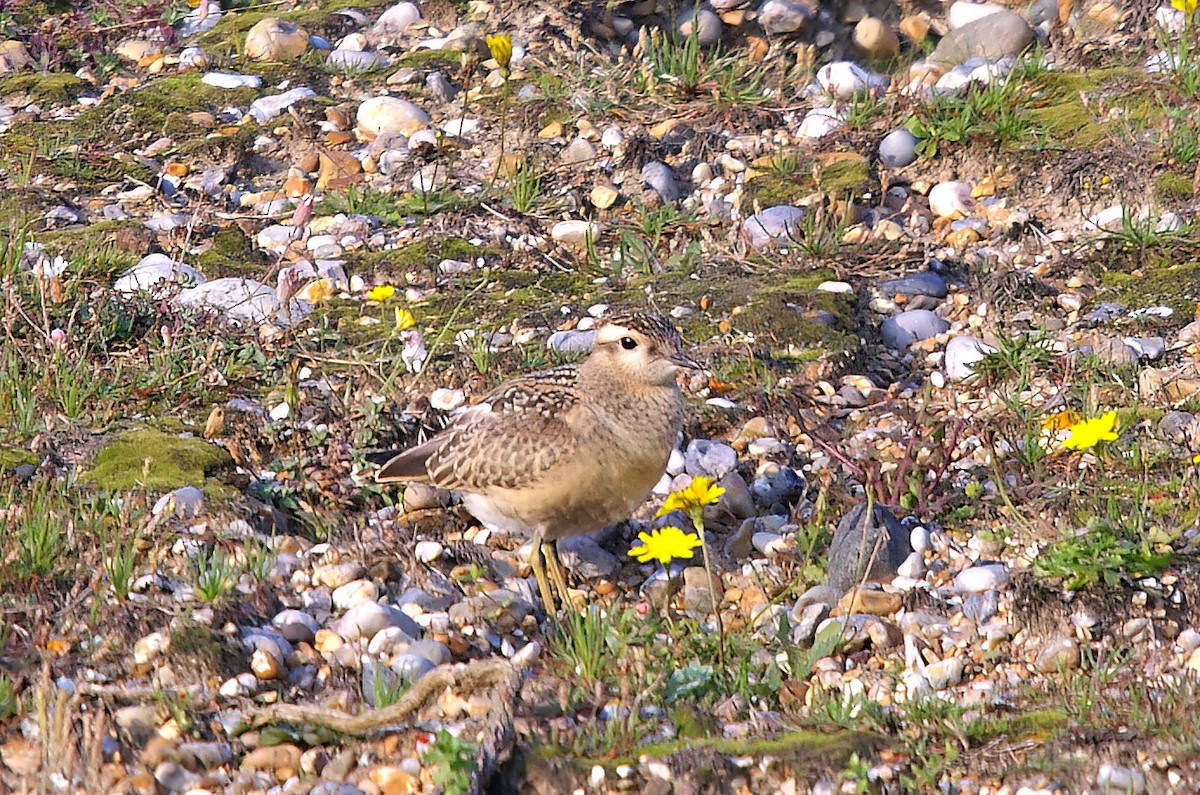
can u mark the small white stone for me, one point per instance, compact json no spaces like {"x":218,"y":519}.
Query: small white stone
{"x":945,"y":673}
{"x":951,"y":199}
{"x":837,"y":288}
{"x":230,"y":80}
{"x":427,"y":551}
{"x":575,"y":233}
{"x":355,"y":593}
{"x":978,"y":579}
{"x":280,"y":412}
{"x":147,"y":648}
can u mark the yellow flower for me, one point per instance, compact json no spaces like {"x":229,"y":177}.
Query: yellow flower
{"x":1186,"y":6}
{"x":1090,"y":432}
{"x":404,"y":319}
{"x":700,"y":492}
{"x":665,"y":545}
{"x":501,"y":48}
{"x":381,"y":292}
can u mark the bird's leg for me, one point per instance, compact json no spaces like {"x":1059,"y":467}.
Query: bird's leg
{"x":539,"y":572}
{"x":557,"y":573}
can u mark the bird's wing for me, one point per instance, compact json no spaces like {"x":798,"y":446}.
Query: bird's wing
{"x":506,"y":441}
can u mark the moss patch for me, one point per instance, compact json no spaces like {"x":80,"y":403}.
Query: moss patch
{"x":13,"y":457}
{"x":203,"y":653}
{"x":1070,"y":105}
{"x":229,"y":254}
{"x":797,"y":321}
{"x":1170,"y":186}
{"x":45,"y":88}
{"x":150,"y":459}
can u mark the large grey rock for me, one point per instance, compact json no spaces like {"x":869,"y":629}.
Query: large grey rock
{"x":923,"y":283}
{"x":903,"y":329}
{"x":710,"y":459}
{"x":898,"y":148}
{"x":993,"y":37}
{"x":869,"y":547}
{"x":774,"y":226}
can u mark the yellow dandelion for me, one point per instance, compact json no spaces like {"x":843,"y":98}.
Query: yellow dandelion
{"x":699,"y":492}
{"x":317,"y":291}
{"x":404,"y":319}
{"x":1186,"y":6}
{"x":381,"y":292}
{"x":669,"y":543}
{"x":500,"y":47}
{"x":1090,"y":432}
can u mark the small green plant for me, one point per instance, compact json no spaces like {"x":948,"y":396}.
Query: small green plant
{"x":1100,"y":554}
{"x":10,"y":704}
{"x":455,"y":761}
{"x":585,"y":643}
{"x":1016,"y":358}
{"x":120,"y":562}
{"x":215,"y":576}
{"x":525,"y":188}
{"x":386,"y":687}
{"x":258,"y":558}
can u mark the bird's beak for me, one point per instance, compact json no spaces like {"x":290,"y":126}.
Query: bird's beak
{"x":684,"y":361}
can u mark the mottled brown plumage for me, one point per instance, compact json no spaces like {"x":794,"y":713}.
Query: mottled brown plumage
{"x":568,"y":450}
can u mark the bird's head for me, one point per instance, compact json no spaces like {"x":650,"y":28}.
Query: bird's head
{"x":644,"y":346}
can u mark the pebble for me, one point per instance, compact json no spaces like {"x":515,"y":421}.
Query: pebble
{"x":264,"y":109}
{"x":781,"y":17}
{"x":863,"y":547}
{"x":961,"y":353}
{"x":396,"y":19}
{"x":365,"y":619}
{"x":978,"y":579}
{"x":427,"y":551}
{"x":663,"y":180}
{"x":701,"y":22}
{"x":898,"y":148}
{"x":845,"y":79}
{"x":575,"y":233}
{"x":876,"y":38}
{"x":242,"y":301}
{"x":157,"y":274}
{"x":379,"y":115}
{"x":900,"y":331}
{"x":951,"y":199}
{"x":1060,"y":653}
{"x":582,"y":555}
{"x":353,"y":60}
{"x":1120,"y":780}
{"x":229,"y":80}
{"x":777,"y":226}
{"x":355,"y":593}
{"x":184,"y":502}
{"x":296,"y":626}
{"x":411,"y":667}
{"x":709,"y":458}
{"x":923,"y":283}
{"x":992,"y":37}
{"x":274,"y":39}
{"x":944,"y":673}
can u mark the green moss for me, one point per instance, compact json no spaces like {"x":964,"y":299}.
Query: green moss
{"x":45,"y":88}
{"x":151,"y":459}
{"x":146,"y":111}
{"x":12,"y":457}
{"x":1170,"y":186}
{"x":1066,"y":103}
{"x":848,"y":173}
{"x":770,"y":190}
{"x":1163,"y":282}
{"x":201,"y":651}
{"x":430,"y":59}
{"x":228,"y":255}
{"x":798,"y":321}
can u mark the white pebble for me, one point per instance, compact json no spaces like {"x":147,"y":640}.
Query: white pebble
{"x":978,"y":579}
{"x":427,"y":551}
{"x":951,"y":199}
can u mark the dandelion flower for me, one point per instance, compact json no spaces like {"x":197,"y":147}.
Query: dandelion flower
{"x":381,"y":292}
{"x":1186,"y":6}
{"x":501,"y":49}
{"x":1092,"y":431}
{"x":669,"y":543}
{"x":404,"y":319}
{"x":317,"y":291}
{"x":700,"y":492}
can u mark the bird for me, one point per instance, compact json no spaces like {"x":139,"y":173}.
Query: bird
{"x":568,"y":450}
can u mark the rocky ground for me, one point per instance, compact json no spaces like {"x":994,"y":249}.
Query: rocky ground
{"x":941,"y":266}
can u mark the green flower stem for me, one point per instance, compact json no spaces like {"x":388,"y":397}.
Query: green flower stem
{"x":697,"y":516}
{"x":503,"y":128}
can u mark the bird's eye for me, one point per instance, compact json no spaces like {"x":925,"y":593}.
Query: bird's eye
{"x":628,"y":343}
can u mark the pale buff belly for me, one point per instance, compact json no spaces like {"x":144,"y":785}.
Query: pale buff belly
{"x":574,"y":499}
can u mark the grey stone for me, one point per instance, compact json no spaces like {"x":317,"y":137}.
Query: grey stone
{"x":701,"y":22}
{"x":866,"y":547}
{"x":1111,"y":350}
{"x":1147,"y":347}
{"x":1177,"y":426}
{"x":993,"y":37}
{"x":580,"y":151}
{"x":440,"y":86}
{"x":663,"y":180}
{"x":365,"y":619}
{"x":979,"y":607}
{"x":736,"y":502}
{"x":434,"y":651}
{"x":396,"y":19}
{"x":697,"y":595}
{"x":1060,"y":653}
{"x":352,"y":60}
{"x":264,"y":109}
{"x":779,"y":17}
{"x":898,"y":148}
{"x":775,"y":226}
{"x":900,"y":331}
{"x":710,"y":459}
{"x":572,"y":341}
{"x":1103,"y":312}
{"x":296,"y":626}
{"x":582,"y":555}
{"x":411,"y":667}
{"x":422,"y":496}
{"x":778,"y":492}
{"x":923,"y":283}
